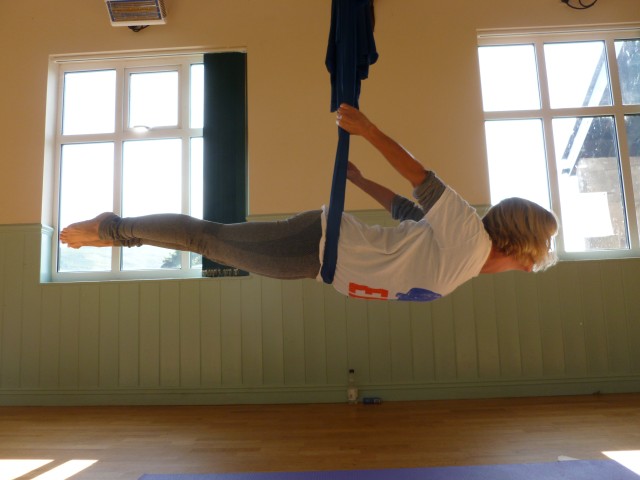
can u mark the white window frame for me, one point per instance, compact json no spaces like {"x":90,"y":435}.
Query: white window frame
{"x":618,"y":111}
{"x":124,"y":64}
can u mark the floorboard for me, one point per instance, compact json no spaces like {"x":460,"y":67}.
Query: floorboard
{"x":130,"y":441}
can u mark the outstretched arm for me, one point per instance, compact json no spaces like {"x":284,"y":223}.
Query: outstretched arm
{"x":399,"y":207}
{"x":356,"y":123}
{"x":381,"y":194}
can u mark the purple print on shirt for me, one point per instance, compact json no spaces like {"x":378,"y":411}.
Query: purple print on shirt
{"x":418,"y":295}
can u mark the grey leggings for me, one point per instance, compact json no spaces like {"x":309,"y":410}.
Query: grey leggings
{"x":287,"y":249}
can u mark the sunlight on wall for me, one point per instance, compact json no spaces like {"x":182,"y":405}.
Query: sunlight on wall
{"x":629,"y":459}
{"x":13,"y":469}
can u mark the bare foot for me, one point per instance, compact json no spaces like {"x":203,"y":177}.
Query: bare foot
{"x":85,"y":234}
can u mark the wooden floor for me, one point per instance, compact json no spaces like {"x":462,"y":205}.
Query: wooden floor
{"x":130,"y":441}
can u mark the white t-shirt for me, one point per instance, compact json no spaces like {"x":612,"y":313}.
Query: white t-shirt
{"x":415,"y":261}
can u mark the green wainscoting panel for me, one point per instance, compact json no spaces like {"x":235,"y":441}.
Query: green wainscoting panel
{"x":272,"y":332}
{"x":574,"y":329}
{"x":631,"y":287}
{"x":210,"y":342}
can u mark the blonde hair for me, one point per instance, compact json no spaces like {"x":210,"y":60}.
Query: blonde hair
{"x":524,"y":230}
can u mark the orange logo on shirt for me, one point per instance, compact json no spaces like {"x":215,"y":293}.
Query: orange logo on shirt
{"x":362,"y":291}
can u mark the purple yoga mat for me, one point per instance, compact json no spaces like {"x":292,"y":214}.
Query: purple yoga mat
{"x":569,"y":470}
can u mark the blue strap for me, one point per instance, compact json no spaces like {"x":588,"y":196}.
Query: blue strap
{"x":350,"y":51}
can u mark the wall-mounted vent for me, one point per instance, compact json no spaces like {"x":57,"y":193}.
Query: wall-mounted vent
{"x":128,"y":13}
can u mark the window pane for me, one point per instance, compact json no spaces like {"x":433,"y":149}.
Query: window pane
{"x":153,"y":99}
{"x":151,"y":183}
{"x":632,"y":123}
{"x":196,"y":189}
{"x":509,"y":78}
{"x":197,"y":96}
{"x":517,"y":161}
{"x":577,"y":74}
{"x":628,"y":55}
{"x":86,"y":190}
{"x":196,"y":177}
{"x":593,"y":215}
{"x":89,"y":100}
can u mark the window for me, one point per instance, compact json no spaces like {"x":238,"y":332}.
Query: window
{"x":562,"y":125}
{"x":128,"y":140}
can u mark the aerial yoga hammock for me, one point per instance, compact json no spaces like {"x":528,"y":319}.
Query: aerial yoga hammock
{"x":289,"y":249}
{"x":350,"y":51}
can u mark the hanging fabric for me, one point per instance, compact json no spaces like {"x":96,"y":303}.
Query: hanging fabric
{"x":350,"y":51}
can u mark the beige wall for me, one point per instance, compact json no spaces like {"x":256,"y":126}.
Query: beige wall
{"x":424,"y":89}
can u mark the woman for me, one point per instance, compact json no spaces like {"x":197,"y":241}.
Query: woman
{"x":438,"y":245}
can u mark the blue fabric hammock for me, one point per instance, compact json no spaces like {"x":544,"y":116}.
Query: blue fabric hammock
{"x":350,"y":51}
